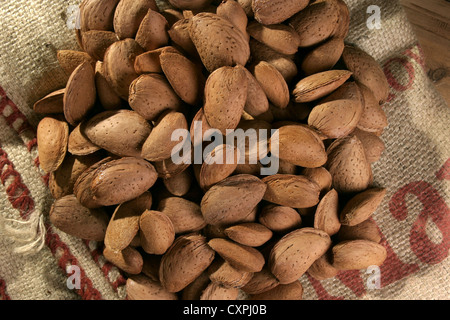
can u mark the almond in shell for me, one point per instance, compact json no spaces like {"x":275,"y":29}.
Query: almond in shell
{"x":293,"y":254}
{"x":190,"y":4}
{"x":52,"y":139}
{"x":149,"y":61}
{"x":97,"y":14}
{"x":152,"y":32}
{"x":291,"y":291}
{"x":232,"y":199}
{"x":361,"y":207}
{"x":326,"y":217}
{"x":358,"y":254}
{"x":185,"y":260}
{"x":373,"y":145}
{"x":156,"y":232}
{"x":261,"y":281}
{"x":323,"y":57}
{"x":250,"y":234}
{"x":68,"y":215}
{"x":276,"y":11}
{"x":279,"y":37}
{"x":129,"y":15}
{"x":373,"y":118}
{"x":291,"y":191}
{"x":51,"y":103}
{"x":95,"y":42}
{"x":222,"y":273}
{"x":233,"y":12}
{"x":141,"y":287}
{"x":79,"y":144}
{"x":107,"y":97}
{"x":184,"y":214}
{"x":279,"y":219}
{"x":215,"y":291}
{"x":366,"y":230}
{"x":69,"y":60}
{"x":124,"y":223}
{"x":128,"y":260}
{"x":322,"y":269}
{"x":218,"y":42}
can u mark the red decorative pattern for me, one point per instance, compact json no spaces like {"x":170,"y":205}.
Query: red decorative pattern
{"x":3,"y":294}
{"x":65,"y":258}
{"x":17,"y":191}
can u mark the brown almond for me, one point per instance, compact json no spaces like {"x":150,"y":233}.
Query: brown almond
{"x":279,"y":219}
{"x":299,"y":145}
{"x":348,"y":166}
{"x":179,"y":184}
{"x":185,"y":260}
{"x":149,"y":61}
{"x":233,"y":12}
{"x":239,"y":256}
{"x":361,"y":207}
{"x":261,"y":281}
{"x":124,"y":223}
{"x":107,"y":97}
{"x":232,"y":199}
{"x":185,"y":215}
{"x":68,"y":215}
{"x":172,"y":15}
{"x":129,"y":15}
{"x":316,"y":22}
{"x":358,"y":254}
{"x":222,"y":273}
{"x":95,"y":42}
{"x":177,"y":68}
{"x":156,"y":232}
{"x":225,"y":98}
{"x":181,"y":38}
{"x":168,"y":169}
{"x":118,"y":64}
{"x":121,"y":180}
{"x":52,"y":139}
{"x":195,"y":289}
{"x":273,"y":83}
{"x":279,"y":37}
{"x":79,"y":144}
{"x":343,"y":26}
{"x":336,"y":119}
{"x":81,"y":94}
{"x":152,"y":32}
{"x":249,"y":234}
{"x":82,"y":188}
{"x":218,"y":42}
{"x":319,"y":85}
{"x":322,"y":269}
{"x":293,"y":254}
{"x":373,"y":118}
{"x":190,"y":4}
{"x":51,"y":103}
{"x":366,"y":70}
{"x":291,"y":291}
{"x":97,"y":14}
{"x":276,"y":11}
{"x":121,"y":132}
{"x":159,"y":145}
{"x":257,"y":102}
{"x":283,"y":63}
{"x":374,"y":146}
{"x":366,"y":230}
{"x":128,"y":260}
{"x":321,"y":176}
{"x":291,"y":191}
{"x":151,"y":95}
{"x":323,"y":57}
{"x":326,"y":217}
{"x":218,"y":164}
{"x":247,"y":6}
{"x":69,"y":60}
{"x":62,"y":181}
{"x":140,"y":287}
{"x":215,"y":291}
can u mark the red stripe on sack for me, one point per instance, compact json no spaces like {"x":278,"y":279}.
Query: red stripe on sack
{"x":14,"y":118}
{"x":105,"y":266}
{"x":444,"y":172}
{"x":3,"y":294}
{"x":53,"y":241}
{"x":17,"y":191}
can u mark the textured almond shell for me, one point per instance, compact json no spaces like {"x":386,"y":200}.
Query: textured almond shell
{"x":156,"y":232}
{"x":129,"y":15}
{"x":358,"y":254}
{"x":280,"y":37}
{"x":273,"y":83}
{"x":185,"y":260}
{"x":324,"y":57}
{"x":250,"y":234}
{"x":218,"y":42}
{"x":52,"y":139}
{"x":79,"y":144}
{"x":107,"y":97}
{"x":225,"y":98}
{"x":276,"y":11}
{"x":373,"y":118}
{"x":80,"y":94}
{"x":68,"y":215}
{"x":232,"y":199}
{"x":140,"y":287}
{"x":96,"y":42}
{"x":121,"y":132}
{"x":362,"y":206}
{"x":279,"y":219}
{"x":293,"y":254}
{"x":322,"y":269}
{"x":97,"y":14}
{"x":366,"y":230}
{"x":152,"y":32}
{"x":51,"y":103}
{"x":185,"y":215}
{"x":128,"y":260}
{"x":222,"y":273}
{"x":124,"y":223}
{"x":217,"y":292}
{"x":69,"y":60}
{"x":291,"y":191}
{"x":261,"y":281}
{"x":239,"y":256}
{"x":326,"y":217}
{"x":291,"y":291}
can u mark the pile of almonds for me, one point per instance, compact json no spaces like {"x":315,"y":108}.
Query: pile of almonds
{"x":217,"y":231}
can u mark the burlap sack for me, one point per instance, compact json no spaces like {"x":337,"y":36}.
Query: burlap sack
{"x":415,"y":168}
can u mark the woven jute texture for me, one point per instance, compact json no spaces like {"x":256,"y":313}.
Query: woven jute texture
{"x":414,"y":217}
